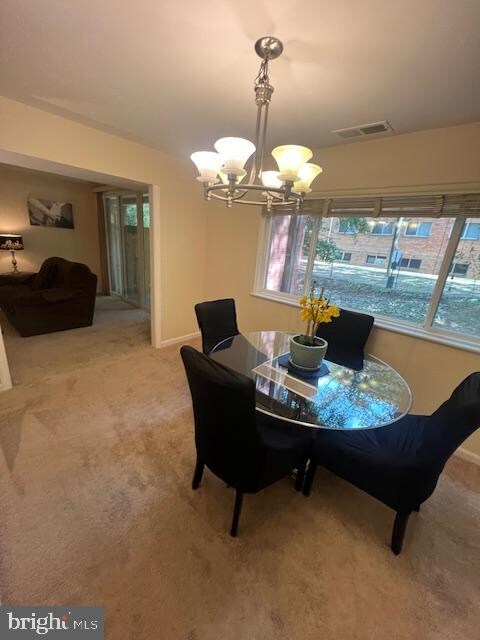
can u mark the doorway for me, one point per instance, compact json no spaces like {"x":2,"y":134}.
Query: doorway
{"x":127,"y":225}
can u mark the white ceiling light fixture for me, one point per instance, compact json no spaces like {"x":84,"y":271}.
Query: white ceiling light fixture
{"x":222,"y":172}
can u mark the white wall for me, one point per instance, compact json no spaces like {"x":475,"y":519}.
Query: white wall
{"x":435,"y":160}
{"x":80,"y":244}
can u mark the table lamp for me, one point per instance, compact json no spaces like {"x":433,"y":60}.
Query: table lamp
{"x":11,"y":242}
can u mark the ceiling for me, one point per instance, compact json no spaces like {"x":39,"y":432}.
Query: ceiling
{"x":179,"y":75}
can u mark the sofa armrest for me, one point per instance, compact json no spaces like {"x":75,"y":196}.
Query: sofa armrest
{"x":45,"y":297}
{"x":19,"y":278}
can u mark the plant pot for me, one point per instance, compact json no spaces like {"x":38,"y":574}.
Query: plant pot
{"x":306,"y":355}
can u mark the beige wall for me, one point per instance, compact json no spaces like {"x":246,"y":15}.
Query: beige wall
{"x":432,"y":161}
{"x":80,"y":244}
{"x":193,"y":268}
{"x":181,"y":246}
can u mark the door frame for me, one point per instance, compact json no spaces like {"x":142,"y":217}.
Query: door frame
{"x":7,"y":156}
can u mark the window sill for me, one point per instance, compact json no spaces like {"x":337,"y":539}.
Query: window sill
{"x":433,"y":335}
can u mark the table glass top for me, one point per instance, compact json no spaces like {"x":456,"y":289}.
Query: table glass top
{"x":343,"y":398}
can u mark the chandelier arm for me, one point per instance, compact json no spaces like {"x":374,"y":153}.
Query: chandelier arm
{"x":246,"y":187}
{"x":278,"y":194}
{"x":260,"y":203}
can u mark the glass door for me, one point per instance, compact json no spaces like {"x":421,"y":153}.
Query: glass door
{"x":114,"y":244}
{"x":130,"y":233}
{"x":127,"y":218}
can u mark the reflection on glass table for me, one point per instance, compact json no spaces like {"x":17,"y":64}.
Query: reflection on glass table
{"x":373,"y":397}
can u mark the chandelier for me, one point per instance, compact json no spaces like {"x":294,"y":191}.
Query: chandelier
{"x":222,"y":171}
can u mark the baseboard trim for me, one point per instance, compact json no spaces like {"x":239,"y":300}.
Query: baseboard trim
{"x":465,"y":454}
{"x":186,"y":338}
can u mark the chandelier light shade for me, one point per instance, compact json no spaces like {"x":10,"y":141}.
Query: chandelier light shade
{"x":290,"y":159}
{"x":222,"y":173}
{"x":271,"y":180}
{"x":208,"y":164}
{"x":307,"y":174}
{"x":235,"y":153}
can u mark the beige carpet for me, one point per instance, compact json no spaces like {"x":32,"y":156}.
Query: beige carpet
{"x":96,"y":508}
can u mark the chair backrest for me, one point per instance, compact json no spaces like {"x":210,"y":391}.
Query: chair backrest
{"x":452,"y":423}
{"x":217,"y":320}
{"x":224,"y":411}
{"x":347,"y":334}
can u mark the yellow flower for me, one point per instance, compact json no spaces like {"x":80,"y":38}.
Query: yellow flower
{"x":317,"y":310}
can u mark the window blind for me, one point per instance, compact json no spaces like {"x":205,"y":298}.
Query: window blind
{"x":427,"y":206}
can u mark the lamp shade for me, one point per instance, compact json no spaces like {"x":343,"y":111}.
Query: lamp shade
{"x":235,"y":152}
{"x":208,"y":164}
{"x":271,"y":180}
{"x":11,"y":242}
{"x":289,"y":158}
{"x":238,"y":177}
{"x":307,"y":173}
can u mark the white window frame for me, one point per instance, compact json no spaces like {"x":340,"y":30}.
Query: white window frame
{"x":452,"y":271}
{"x":427,"y":331}
{"x":380,"y":222}
{"x":417,"y":229}
{"x":343,"y":253}
{"x":376,"y":256}
{"x":409,"y":267}
{"x":348,"y":232}
{"x":465,"y":237}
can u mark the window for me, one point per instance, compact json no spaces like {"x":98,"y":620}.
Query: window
{"x":410,"y":263}
{"x":376,"y":274}
{"x":471,"y":231}
{"x":346,"y":225}
{"x":343,"y":256}
{"x":381,"y":228}
{"x":290,"y":238}
{"x":458,"y":307}
{"x":458,"y":269}
{"x":379,"y":260}
{"x":418,"y":229}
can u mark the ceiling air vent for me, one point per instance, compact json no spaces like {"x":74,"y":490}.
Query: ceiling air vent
{"x":363,"y":130}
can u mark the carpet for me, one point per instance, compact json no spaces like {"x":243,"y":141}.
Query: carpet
{"x":96,"y":460}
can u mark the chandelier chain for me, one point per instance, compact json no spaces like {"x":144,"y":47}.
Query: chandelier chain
{"x":263,"y":77}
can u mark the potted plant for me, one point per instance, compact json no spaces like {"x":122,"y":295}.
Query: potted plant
{"x":306,"y":349}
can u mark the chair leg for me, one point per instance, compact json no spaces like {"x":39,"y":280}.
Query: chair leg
{"x":198,"y":473}
{"x":300,"y":479}
{"x":398,"y":533}
{"x":236,"y":513}
{"x":309,"y":478}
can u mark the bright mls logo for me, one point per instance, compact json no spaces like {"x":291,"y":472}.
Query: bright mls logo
{"x":58,"y":623}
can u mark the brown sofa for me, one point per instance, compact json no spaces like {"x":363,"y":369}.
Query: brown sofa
{"x":60,"y":296}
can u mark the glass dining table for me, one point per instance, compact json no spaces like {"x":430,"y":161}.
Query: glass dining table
{"x":342,"y":398}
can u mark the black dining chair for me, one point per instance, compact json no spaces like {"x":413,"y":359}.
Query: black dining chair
{"x":242,"y":447}
{"x":217,"y":320}
{"x":400,"y":464}
{"x":346,"y":337}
